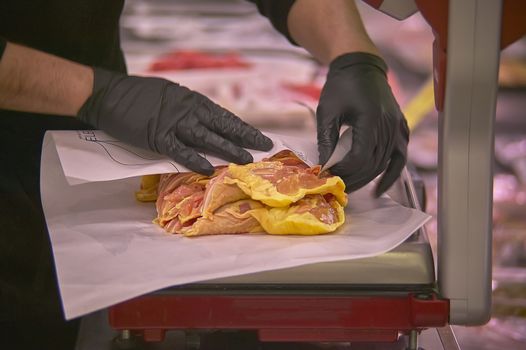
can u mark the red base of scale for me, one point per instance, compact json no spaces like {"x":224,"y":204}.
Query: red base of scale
{"x":283,"y":318}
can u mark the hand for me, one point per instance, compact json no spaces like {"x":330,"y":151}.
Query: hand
{"x":170,"y":119}
{"x":357,"y":93}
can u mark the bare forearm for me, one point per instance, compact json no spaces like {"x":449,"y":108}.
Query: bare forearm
{"x":34,"y":81}
{"x":329,"y":28}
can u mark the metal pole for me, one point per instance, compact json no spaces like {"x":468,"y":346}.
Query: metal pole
{"x":413,"y":340}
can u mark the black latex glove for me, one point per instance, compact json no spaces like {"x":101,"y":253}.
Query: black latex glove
{"x":357,"y":93}
{"x":167,"y":118}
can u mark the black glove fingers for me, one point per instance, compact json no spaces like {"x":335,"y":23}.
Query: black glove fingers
{"x":217,"y":145}
{"x":361,"y":157}
{"x":365,"y":161}
{"x":387,"y":135}
{"x":328,"y":135}
{"x":355,"y":182}
{"x":360,"y":179}
{"x":351,"y":186}
{"x":405,"y":130}
{"x":357,"y":177}
{"x":230,"y":126}
{"x":187,"y":156}
{"x":394,"y":169}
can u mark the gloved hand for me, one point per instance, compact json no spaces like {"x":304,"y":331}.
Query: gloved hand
{"x":167,"y":118}
{"x":357,"y":93}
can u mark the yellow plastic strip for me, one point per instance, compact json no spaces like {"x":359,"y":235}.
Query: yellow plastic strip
{"x":420,"y":105}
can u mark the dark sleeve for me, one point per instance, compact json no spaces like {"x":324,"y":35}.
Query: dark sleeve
{"x":2,"y":47}
{"x":277,"y":12}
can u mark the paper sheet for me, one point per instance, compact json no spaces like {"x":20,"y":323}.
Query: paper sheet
{"x":107,"y":250}
{"x":92,"y":155}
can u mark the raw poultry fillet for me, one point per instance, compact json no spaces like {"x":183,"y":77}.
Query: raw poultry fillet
{"x":185,"y":60}
{"x":279,"y":195}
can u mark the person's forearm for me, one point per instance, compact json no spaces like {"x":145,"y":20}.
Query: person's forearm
{"x":34,"y":81}
{"x":328,"y":29}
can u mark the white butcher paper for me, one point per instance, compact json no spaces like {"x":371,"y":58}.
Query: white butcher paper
{"x":92,"y":155}
{"x":107,"y":250}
